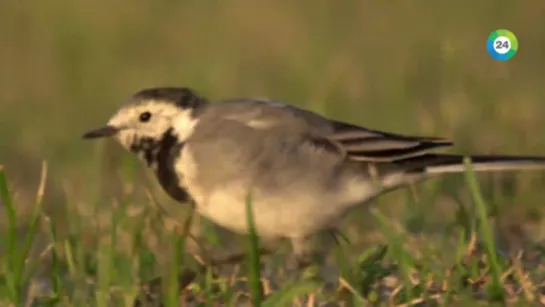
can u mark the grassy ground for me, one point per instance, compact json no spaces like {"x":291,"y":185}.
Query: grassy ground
{"x":102,"y":226}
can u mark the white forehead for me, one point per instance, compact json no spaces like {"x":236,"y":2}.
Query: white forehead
{"x":131,"y":112}
{"x":180,"y":120}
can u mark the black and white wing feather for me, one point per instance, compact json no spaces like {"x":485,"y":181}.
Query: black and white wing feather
{"x":366,"y":145}
{"x":390,"y":151}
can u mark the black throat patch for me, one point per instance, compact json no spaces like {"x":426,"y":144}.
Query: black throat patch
{"x":161,"y":154}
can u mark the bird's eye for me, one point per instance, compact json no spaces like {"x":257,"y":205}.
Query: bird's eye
{"x":145,"y":117}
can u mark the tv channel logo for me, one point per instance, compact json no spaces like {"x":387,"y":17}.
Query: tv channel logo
{"x":502,"y":45}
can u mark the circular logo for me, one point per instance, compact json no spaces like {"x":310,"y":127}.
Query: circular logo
{"x":502,"y":45}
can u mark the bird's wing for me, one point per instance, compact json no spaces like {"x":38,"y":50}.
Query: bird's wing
{"x":352,"y":142}
{"x":366,"y":145}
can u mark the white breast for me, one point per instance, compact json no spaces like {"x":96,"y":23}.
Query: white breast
{"x":221,"y":205}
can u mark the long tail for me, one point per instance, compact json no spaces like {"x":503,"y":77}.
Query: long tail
{"x":448,"y":163}
{"x":431,"y":165}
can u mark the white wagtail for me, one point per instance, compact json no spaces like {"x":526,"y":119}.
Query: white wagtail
{"x":304,"y":171}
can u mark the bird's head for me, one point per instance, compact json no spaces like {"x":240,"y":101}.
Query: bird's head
{"x":150,"y":115}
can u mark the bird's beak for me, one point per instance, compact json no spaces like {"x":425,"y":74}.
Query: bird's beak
{"x":105,"y":131}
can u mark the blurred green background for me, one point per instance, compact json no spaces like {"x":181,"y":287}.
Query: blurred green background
{"x":415,"y":67}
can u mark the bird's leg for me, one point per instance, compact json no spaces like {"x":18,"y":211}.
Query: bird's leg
{"x":303,"y":254}
{"x":306,"y":250}
{"x":311,"y":257}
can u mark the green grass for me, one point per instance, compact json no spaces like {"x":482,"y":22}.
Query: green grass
{"x":254,"y":265}
{"x":16,"y":254}
{"x":103,"y":274}
{"x":99,"y":227}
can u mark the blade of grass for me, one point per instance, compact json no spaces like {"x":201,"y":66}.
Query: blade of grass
{"x":56,"y":279}
{"x":285,"y":296}
{"x":461,"y":249}
{"x":495,"y":288}
{"x":345,"y":270}
{"x":70,"y":260}
{"x":344,"y":266}
{"x":369,"y":265}
{"x":253,"y":259}
{"x":33,"y":222}
{"x":12,"y":280}
{"x":208,"y":287}
{"x":397,"y":252}
{"x":173,"y":290}
{"x":106,"y":264}
{"x":17,"y":256}
{"x":181,"y":234}
{"x":104,"y":267}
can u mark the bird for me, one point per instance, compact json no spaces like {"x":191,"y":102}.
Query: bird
{"x":304,"y":171}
